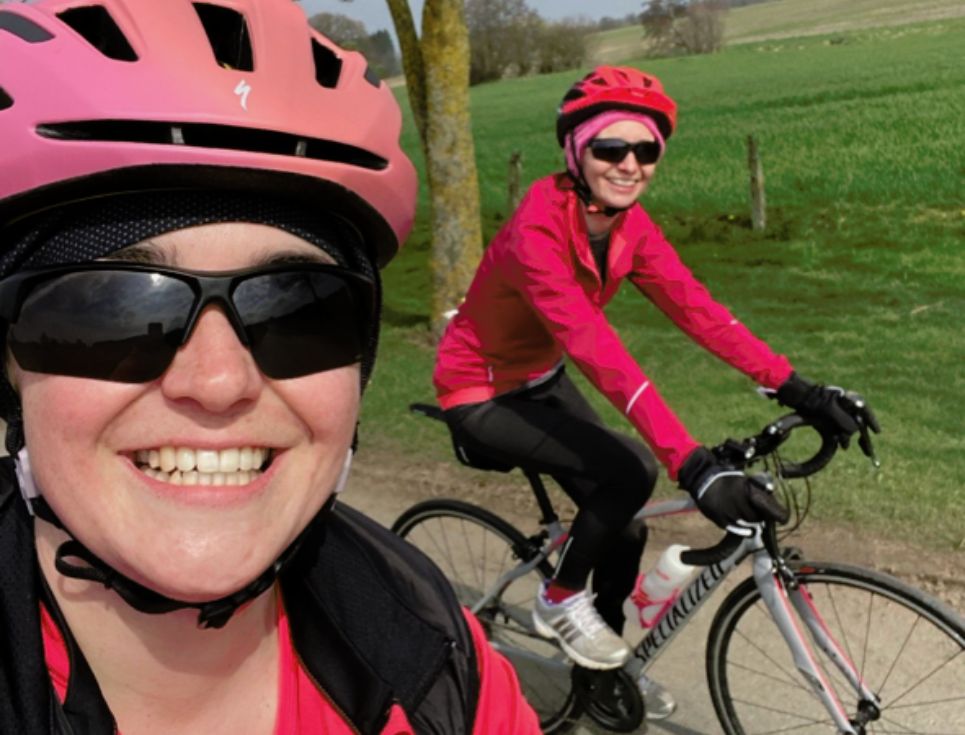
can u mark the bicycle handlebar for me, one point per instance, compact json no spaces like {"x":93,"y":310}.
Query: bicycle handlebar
{"x":712,"y":554}
{"x":742,"y":453}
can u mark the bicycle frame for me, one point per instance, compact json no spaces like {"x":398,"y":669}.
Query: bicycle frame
{"x":777,"y":592}
{"x":695,"y":594}
{"x":781,"y":592}
{"x":499,"y":586}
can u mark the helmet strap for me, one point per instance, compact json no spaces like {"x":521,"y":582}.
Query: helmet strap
{"x":76,"y":561}
{"x":594,"y":208}
{"x":10,"y":403}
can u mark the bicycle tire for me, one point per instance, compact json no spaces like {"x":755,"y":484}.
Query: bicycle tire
{"x":909,"y":648}
{"x":473,"y":547}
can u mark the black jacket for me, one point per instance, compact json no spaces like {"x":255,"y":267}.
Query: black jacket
{"x":372,"y":620}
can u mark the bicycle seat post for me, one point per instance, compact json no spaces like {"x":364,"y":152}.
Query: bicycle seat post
{"x":548,"y":514}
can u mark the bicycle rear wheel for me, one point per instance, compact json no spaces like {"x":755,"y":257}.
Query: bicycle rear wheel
{"x":908,"y":648}
{"x":474,"y":548}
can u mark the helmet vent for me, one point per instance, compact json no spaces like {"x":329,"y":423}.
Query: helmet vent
{"x":23,"y":28}
{"x":328,"y":67}
{"x":98,"y":28}
{"x":203,"y":135}
{"x":372,"y":78}
{"x":5,"y":99}
{"x":228,"y":35}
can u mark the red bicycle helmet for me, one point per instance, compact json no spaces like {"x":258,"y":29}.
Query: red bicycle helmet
{"x":99,"y":97}
{"x":616,"y":88}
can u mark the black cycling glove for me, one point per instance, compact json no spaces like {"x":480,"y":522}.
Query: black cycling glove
{"x":727,"y":496}
{"x":832,"y":410}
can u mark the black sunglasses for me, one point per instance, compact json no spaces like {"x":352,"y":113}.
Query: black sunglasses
{"x":125,"y":321}
{"x":614,"y":150}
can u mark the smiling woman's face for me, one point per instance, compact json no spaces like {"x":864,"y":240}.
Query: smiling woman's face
{"x":207,"y":524}
{"x":619,"y":184}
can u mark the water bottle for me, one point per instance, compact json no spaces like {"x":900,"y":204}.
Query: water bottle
{"x":657,"y":590}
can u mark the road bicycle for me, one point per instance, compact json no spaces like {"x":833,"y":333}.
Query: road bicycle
{"x":800,"y":646}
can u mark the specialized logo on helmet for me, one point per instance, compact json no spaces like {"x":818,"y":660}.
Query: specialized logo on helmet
{"x":242,"y":91}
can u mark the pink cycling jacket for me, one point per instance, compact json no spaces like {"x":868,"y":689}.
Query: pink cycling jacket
{"x":537,"y":296}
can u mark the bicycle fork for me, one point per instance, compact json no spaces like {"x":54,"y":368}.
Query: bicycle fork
{"x":780,"y":591}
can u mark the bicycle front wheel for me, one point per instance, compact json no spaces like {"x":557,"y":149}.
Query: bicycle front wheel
{"x":481,"y":555}
{"x":907,"y":647}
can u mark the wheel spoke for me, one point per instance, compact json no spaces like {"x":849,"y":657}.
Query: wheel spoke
{"x":895,"y":635}
{"x":444,"y":553}
{"x":881,"y":728}
{"x":808,"y":722}
{"x":769,"y":677}
{"x":829,"y":591}
{"x":928,"y":703}
{"x":901,"y":650}
{"x":925,"y":678}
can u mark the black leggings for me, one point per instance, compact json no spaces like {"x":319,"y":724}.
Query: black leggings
{"x":552,"y":429}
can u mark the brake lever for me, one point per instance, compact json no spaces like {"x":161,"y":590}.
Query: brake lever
{"x":866,"y":424}
{"x":864,"y":441}
{"x":764,"y":480}
{"x":736,"y":453}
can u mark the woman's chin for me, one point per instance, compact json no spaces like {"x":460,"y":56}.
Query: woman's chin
{"x":622,"y":198}
{"x":619,"y":203}
{"x":200,"y":582}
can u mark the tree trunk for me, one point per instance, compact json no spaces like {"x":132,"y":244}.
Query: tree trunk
{"x":437,"y":78}
{"x":450,"y":156}
{"x":412,"y":63}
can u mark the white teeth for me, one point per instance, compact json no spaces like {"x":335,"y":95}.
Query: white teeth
{"x":207,"y":460}
{"x":169,"y":458}
{"x":228,"y":461}
{"x":185,"y":459}
{"x":246,"y":459}
{"x":184,"y":466}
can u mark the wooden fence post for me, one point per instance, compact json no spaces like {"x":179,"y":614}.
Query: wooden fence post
{"x":758,"y":201}
{"x":512,"y":187}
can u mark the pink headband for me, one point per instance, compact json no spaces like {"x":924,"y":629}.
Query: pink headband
{"x":579,"y":137}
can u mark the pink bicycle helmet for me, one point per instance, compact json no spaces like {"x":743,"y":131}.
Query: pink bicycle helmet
{"x":139,"y":95}
{"x":616,"y":88}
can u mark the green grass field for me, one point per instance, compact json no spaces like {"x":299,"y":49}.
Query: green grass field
{"x":789,"y":18}
{"x":860,"y":277}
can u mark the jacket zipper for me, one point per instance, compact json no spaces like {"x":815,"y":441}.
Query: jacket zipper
{"x":324,"y":693}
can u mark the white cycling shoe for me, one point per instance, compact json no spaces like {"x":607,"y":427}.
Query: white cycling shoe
{"x":659,"y":702}
{"x":580,"y":631}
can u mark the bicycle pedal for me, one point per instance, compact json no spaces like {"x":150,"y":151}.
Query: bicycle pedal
{"x":610,"y":698}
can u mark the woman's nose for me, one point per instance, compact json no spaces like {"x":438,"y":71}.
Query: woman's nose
{"x":629,"y":162}
{"x":213,"y":369}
